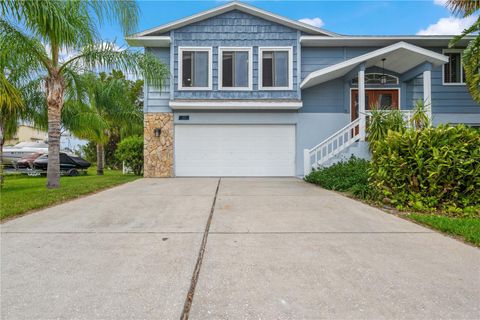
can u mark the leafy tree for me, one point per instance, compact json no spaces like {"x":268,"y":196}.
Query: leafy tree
{"x":471,"y":55}
{"x":130,"y":150}
{"x":62,"y":37}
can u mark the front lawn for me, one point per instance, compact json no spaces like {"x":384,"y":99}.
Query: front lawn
{"x":23,"y":193}
{"x":466,"y":228}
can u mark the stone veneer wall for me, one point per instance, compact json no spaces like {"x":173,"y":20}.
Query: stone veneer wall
{"x":158,"y":152}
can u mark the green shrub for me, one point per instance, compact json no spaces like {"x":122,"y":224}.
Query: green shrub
{"x":430,"y":169}
{"x":130,"y":150}
{"x":350,"y":176}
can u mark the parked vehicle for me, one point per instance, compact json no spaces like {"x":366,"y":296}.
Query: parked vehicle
{"x":26,"y":162}
{"x":70,"y":164}
{"x":11,"y":155}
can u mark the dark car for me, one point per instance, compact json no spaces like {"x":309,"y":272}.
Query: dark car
{"x":26,"y":162}
{"x":69,"y":163}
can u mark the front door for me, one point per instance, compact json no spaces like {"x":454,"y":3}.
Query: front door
{"x":386,"y":99}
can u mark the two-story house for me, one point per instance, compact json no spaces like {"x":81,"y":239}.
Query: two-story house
{"x":252,"y":93}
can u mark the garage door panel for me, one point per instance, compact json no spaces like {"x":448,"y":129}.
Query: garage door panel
{"x":235,"y":150}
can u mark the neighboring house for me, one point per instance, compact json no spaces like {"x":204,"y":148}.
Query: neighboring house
{"x":252,"y":93}
{"x":27,"y":132}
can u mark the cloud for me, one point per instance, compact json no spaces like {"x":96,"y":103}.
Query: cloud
{"x":316,"y":22}
{"x":440,"y":2}
{"x":448,"y":26}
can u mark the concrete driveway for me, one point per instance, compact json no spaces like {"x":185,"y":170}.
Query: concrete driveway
{"x":276,"y":248}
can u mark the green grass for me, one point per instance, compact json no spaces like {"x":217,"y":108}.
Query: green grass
{"x":23,"y":193}
{"x":466,"y":228}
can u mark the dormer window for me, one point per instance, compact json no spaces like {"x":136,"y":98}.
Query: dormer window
{"x":195,"y":68}
{"x":276,"y":68}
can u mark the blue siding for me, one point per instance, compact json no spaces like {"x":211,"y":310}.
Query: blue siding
{"x":327,"y":97}
{"x":236,"y":29}
{"x":158,"y":97}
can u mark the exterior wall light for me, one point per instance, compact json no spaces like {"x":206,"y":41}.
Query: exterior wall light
{"x":157,"y":132}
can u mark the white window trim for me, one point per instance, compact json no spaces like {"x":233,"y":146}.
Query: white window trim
{"x":260,"y":68}
{"x":220,"y":68}
{"x":461,"y":83}
{"x":180,"y":68}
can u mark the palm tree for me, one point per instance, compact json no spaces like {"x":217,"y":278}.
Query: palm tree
{"x":18,"y":94}
{"x":62,"y":37}
{"x":108,"y":100}
{"x":471,"y":55}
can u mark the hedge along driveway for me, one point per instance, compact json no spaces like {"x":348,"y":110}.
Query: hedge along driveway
{"x":23,"y":193}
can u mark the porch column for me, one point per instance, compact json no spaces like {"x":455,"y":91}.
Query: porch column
{"x":361,"y":102}
{"x":427,"y":90}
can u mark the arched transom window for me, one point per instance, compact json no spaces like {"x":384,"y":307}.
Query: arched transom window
{"x":377,"y":78}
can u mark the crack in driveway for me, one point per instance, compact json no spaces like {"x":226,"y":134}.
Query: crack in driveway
{"x":196,"y":271}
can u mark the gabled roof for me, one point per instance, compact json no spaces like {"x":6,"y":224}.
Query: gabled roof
{"x":400,"y":57}
{"x":234,"y":5}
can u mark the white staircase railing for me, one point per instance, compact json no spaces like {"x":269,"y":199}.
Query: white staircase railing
{"x":330,"y":147}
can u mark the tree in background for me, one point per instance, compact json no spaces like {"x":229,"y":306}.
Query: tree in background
{"x":471,"y":55}
{"x":130,"y":151}
{"x":44,"y":31}
{"x":109,"y":98}
{"x":120,"y":126}
{"x":19,"y":94}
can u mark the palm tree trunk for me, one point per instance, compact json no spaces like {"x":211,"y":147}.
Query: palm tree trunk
{"x":55,"y":88}
{"x":100,"y":159}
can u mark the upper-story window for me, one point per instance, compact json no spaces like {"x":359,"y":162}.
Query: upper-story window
{"x":453,"y":72}
{"x":195,"y":68}
{"x":276,"y":68}
{"x":377,"y":78}
{"x":235,"y":68}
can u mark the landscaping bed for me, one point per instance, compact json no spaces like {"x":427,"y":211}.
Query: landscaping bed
{"x":21,"y":193}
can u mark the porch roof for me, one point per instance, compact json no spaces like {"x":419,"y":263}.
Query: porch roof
{"x":400,"y":57}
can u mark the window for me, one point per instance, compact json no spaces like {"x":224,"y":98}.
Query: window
{"x":235,"y":68}
{"x":376,"y":78}
{"x":195,"y":69}
{"x":276,"y":68}
{"x":453,"y":70}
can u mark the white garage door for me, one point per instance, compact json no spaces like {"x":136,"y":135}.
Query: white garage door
{"x":235,"y":150}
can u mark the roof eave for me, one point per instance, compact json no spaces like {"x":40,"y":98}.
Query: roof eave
{"x":361,"y":41}
{"x":149,"y":41}
{"x":236,"y":6}
{"x":433,"y":57}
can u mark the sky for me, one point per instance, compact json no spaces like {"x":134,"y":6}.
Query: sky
{"x":374,"y":17}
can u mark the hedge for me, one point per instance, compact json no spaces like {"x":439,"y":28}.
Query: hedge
{"x":430,"y":169}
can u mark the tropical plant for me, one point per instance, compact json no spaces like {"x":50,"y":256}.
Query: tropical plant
{"x":19,"y":93}
{"x":62,"y":37}
{"x":433,"y":168}
{"x":471,"y":54}
{"x":130,"y":151}
{"x":382,"y":121}
{"x":420,"y":118}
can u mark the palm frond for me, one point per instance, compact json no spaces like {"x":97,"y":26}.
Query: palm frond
{"x":125,"y":12}
{"x":107,"y":55}
{"x":464,"y":7}
{"x":10,"y":97}
{"x":26,"y":50}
